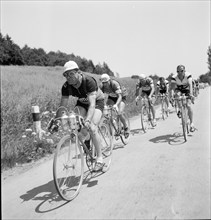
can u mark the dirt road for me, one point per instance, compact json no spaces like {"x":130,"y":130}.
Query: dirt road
{"x":156,"y":176}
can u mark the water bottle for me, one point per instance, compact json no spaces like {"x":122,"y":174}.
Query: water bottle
{"x":64,"y":120}
{"x":72,"y":118}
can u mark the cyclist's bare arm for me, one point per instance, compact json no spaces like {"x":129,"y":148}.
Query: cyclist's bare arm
{"x":167,"y":88}
{"x":190,"y":86}
{"x":152,"y":91}
{"x":91,"y":109}
{"x":173,"y":86}
{"x":119,"y":98}
{"x":105,"y":98}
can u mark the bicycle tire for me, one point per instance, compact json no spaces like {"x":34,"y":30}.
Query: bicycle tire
{"x":165,"y":111}
{"x":144,"y":118}
{"x":124,"y":140}
{"x":184,"y":124}
{"x":68,"y":167}
{"x":91,"y":157}
{"x":162,"y":110}
{"x":106,"y":145}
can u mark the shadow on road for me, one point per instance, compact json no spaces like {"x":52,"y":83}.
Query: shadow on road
{"x":172,"y":139}
{"x":47,"y":193}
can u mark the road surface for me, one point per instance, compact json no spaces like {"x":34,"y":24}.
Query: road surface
{"x":156,"y":176}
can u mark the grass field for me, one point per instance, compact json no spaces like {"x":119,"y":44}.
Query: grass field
{"x":25,"y":86}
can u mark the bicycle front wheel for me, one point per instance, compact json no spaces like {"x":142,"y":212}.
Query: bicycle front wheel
{"x":164,"y":110}
{"x":184,"y":123}
{"x":68,"y":167}
{"x":106,"y":144}
{"x":124,"y":136}
{"x":144,"y":119}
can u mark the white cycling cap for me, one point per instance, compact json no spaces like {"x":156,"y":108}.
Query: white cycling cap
{"x":142,"y":76}
{"x":70,"y":65}
{"x":105,"y":77}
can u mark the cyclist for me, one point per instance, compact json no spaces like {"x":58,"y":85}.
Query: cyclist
{"x":147,"y":89}
{"x":196,"y":87}
{"x":182,"y":83}
{"x":163,"y":88}
{"x":115,"y":95}
{"x":90,"y":103}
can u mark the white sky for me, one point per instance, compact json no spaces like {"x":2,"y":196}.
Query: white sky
{"x":132,"y":37}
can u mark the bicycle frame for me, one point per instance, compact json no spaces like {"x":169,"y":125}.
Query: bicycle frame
{"x":163,"y":105}
{"x":114,"y":121}
{"x":182,"y":105}
{"x":145,"y":107}
{"x":68,"y":164}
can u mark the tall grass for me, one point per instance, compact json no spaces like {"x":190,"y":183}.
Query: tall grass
{"x":23,"y":87}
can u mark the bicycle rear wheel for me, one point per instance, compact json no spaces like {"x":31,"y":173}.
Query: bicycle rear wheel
{"x":68,"y":167}
{"x":106,"y":145}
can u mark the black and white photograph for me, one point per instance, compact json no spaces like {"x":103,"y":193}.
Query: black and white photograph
{"x":105,"y":109}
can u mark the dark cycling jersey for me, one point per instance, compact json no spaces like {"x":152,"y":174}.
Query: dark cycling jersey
{"x":88,"y":85}
{"x":162,"y":85}
{"x":114,"y":89}
{"x":146,"y":86}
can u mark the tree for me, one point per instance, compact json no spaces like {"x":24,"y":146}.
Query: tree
{"x":10,"y":52}
{"x":135,"y":77}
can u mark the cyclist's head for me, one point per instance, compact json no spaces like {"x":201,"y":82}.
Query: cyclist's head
{"x":104,"y":78}
{"x":70,"y":73}
{"x":162,"y":79}
{"x":180,"y":68}
{"x":142,"y":77}
{"x":70,"y":67}
{"x":181,"y":71}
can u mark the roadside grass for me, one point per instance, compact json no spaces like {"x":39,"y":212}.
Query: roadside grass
{"x":25,"y":86}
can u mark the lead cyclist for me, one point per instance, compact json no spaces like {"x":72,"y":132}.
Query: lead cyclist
{"x":182,"y":83}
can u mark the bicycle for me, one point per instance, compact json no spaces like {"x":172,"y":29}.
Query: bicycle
{"x":112,"y":119}
{"x":68,"y":163}
{"x":164,"y":108}
{"x":146,"y":114}
{"x":181,"y":101}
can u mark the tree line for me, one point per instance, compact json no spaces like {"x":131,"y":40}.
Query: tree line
{"x":12,"y":54}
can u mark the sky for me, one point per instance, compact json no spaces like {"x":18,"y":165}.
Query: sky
{"x":132,"y":37}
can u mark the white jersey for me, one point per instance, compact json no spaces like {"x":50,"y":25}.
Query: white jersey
{"x":182,"y":84}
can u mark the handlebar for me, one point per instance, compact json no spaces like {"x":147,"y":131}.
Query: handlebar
{"x":67,"y":121}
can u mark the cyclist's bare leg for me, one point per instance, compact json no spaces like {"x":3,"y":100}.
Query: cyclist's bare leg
{"x":83,"y":133}
{"x":190,"y":111}
{"x":121,"y":110}
{"x":167,"y":100}
{"x":152,"y":108}
{"x":95,"y":135}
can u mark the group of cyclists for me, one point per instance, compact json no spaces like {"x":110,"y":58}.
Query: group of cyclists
{"x":93,"y":97}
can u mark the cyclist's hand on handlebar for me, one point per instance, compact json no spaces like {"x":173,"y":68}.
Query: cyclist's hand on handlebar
{"x":87,"y":124}
{"x":116,"y":107}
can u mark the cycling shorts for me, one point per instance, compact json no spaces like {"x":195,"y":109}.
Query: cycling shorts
{"x":99,"y":105}
{"x":112,"y":100}
{"x":147,"y":93}
{"x":163,"y":91}
{"x":183,"y":91}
